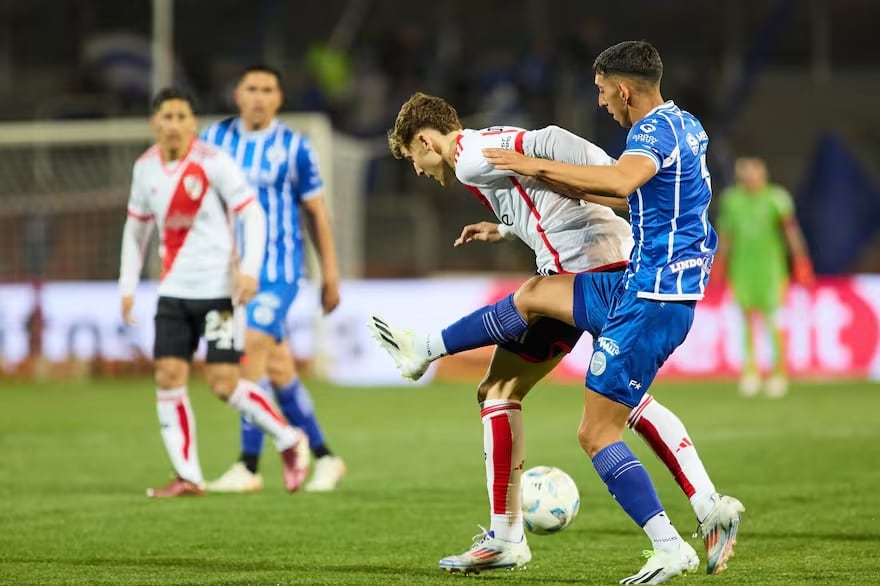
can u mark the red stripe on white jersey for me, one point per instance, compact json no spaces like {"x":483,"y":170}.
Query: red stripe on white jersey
{"x":538,"y":227}
{"x":480,"y":196}
{"x":518,"y":142}
{"x":182,"y":210}
{"x":458,"y":147}
{"x":139,"y":217}
{"x":243,"y":204}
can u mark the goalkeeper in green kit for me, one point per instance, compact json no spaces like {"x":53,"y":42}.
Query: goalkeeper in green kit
{"x":757,"y":230}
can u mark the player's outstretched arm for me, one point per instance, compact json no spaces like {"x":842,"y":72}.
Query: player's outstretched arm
{"x":620,"y":180}
{"x":318,"y":223}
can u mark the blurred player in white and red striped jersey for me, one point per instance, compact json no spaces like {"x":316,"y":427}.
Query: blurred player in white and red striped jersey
{"x":567,"y":236}
{"x":189,"y":188}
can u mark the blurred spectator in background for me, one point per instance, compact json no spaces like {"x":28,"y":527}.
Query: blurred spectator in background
{"x":757,"y":228}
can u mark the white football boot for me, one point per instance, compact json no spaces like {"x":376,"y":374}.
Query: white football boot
{"x":718,"y":531}
{"x":329,"y":471}
{"x":488,"y":553}
{"x":412,"y":362}
{"x":237,"y":479}
{"x":665,"y":565}
{"x":749,"y":384}
{"x":777,"y":386}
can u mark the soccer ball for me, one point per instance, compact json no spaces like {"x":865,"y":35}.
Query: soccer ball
{"x":550,"y":499}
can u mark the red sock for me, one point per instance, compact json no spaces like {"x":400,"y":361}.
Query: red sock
{"x":504,"y":447}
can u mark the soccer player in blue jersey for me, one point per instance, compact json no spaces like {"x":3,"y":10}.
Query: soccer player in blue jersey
{"x":637,"y":319}
{"x":281,"y":164}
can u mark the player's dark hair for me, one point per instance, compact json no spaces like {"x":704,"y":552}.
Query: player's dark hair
{"x":261,"y":68}
{"x":172,"y":93}
{"x":420,"y":112}
{"x":631,"y":58}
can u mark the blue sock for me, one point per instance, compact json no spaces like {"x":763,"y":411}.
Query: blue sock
{"x":297,"y":406}
{"x":251,"y":441}
{"x":489,"y":325}
{"x":628,"y":482}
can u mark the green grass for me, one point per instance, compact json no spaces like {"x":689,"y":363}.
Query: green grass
{"x":75,"y":459}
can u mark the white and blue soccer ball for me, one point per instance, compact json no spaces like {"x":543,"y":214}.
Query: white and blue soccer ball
{"x":550,"y":500}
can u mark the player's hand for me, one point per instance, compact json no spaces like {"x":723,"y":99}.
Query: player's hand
{"x":480,"y":232}
{"x":127,"y":307}
{"x":802,"y":270}
{"x":512,"y":161}
{"x":245,"y":288}
{"x":329,"y":295}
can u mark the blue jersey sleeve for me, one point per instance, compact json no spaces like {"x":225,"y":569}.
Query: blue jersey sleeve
{"x":653,"y":138}
{"x":308,"y":176}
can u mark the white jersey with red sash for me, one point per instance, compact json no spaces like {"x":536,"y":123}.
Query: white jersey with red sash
{"x":190,"y":201}
{"x":567,"y":235}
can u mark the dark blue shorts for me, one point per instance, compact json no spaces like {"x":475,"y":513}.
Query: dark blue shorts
{"x":632,"y":336}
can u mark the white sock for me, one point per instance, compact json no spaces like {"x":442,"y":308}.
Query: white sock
{"x":178,"y":425}
{"x":252,"y":402}
{"x":666,"y":435}
{"x":661,"y":533}
{"x":504,"y":447}
{"x":434,"y":346}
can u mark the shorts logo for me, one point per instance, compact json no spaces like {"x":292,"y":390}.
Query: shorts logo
{"x":264,"y":315}
{"x":598,"y":363}
{"x":609,"y":345}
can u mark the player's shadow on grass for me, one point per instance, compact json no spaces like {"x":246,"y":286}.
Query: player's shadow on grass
{"x":532,"y":575}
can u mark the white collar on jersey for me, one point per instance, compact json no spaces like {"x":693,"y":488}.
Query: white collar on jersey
{"x":256,"y":133}
{"x":667,"y":105}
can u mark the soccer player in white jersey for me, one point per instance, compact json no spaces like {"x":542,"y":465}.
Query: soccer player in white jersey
{"x":188,"y":188}
{"x":281,"y":165}
{"x":567,"y":237}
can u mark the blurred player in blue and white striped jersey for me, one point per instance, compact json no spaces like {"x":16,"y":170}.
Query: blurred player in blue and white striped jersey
{"x":281,"y":165}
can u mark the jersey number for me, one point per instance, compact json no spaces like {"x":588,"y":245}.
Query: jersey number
{"x":220,"y":328}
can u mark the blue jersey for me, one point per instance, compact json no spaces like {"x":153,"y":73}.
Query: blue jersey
{"x":281,"y":165}
{"x":674,"y":241}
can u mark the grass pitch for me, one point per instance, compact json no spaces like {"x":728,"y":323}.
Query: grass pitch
{"x":76,"y":458}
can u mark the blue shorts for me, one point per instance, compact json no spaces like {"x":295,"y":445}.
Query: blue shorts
{"x":267,"y":311}
{"x":632,"y":337}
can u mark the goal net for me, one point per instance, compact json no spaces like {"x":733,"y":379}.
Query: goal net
{"x":64,"y":187}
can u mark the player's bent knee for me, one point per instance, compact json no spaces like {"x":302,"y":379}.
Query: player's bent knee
{"x":525,"y":297}
{"x":171,"y":373}
{"x":594,"y":438}
{"x":510,"y":389}
{"x":281,"y":368}
{"x":222,"y":379}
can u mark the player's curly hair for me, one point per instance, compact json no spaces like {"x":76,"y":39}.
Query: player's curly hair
{"x":419,"y":112}
{"x":631,"y":58}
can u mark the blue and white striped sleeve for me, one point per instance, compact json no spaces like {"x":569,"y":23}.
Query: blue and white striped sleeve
{"x":308,"y":173}
{"x":655,"y":140}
